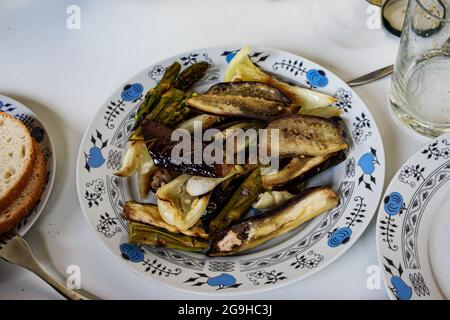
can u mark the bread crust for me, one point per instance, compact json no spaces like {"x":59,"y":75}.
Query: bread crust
{"x":17,"y":210}
{"x":15,"y":189}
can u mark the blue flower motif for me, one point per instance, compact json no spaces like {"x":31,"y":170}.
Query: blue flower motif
{"x":38,"y":134}
{"x":339,"y":236}
{"x":132,"y":92}
{"x":224,"y":280}
{"x":131,"y":252}
{"x":367,"y":162}
{"x":393,"y":203}
{"x":317,"y":78}
{"x":401,"y":290}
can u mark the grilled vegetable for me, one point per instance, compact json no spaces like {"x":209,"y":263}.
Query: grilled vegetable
{"x":300,"y":169}
{"x":189,"y":76}
{"x":173,"y":114}
{"x":306,"y":135}
{"x":135,"y":157}
{"x":154,"y":95}
{"x":170,"y":99}
{"x":179,"y":208}
{"x":149,"y":214}
{"x":239,"y":203}
{"x":147,"y":235}
{"x":159,"y":178}
{"x":255,"y":231}
{"x":243,"y":69}
{"x":248,"y":89}
{"x":247,"y":107}
{"x":323,"y":112}
{"x":207,"y":121}
{"x":145,"y":180}
{"x":272,"y":199}
{"x":137,"y":135}
{"x":159,"y":144}
{"x":197,"y":186}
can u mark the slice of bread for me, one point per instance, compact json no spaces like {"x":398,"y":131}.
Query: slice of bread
{"x":29,"y":196}
{"x":16,"y":158}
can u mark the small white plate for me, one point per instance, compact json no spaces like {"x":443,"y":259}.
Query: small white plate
{"x":40,"y":134}
{"x":413,"y":226}
{"x":301,"y":253}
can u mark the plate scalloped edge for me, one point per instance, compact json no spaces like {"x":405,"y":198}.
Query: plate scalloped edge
{"x":403,"y":218}
{"x":359,"y":181}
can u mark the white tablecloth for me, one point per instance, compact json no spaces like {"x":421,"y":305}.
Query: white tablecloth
{"x":65,"y":75}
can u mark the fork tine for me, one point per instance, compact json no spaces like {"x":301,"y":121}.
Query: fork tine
{"x":5,"y":238}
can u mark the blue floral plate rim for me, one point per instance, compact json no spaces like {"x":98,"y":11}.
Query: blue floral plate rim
{"x":404,"y":218}
{"x":359,"y":182}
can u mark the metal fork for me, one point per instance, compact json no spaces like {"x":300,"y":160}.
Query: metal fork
{"x":15,"y":250}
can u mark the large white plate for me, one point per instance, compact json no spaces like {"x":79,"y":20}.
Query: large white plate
{"x":358,"y":181}
{"x":40,"y":134}
{"x":413,"y":224}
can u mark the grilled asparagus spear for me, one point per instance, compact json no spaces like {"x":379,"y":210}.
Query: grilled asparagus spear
{"x":170,"y":99}
{"x":154,"y":95}
{"x":255,"y":231}
{"x":140,"y":233}
{"x":189,"y":76}
{"x":239,"y":203}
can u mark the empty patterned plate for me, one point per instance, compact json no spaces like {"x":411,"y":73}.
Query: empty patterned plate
{"x":40,"y":134}
{"x":359,"y":182}
{"x":413,"y":226}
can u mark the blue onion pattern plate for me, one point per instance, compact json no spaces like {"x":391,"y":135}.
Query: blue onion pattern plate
{"x":413,"y":223}
{"x":358,"y":181}
{"x":40,"y":134}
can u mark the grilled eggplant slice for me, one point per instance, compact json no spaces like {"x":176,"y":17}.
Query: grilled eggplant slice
{"x":177,"y":207}
{"x":147,"y":235}
{"x":272,"y":199}
{"x":149,"y":214}
{"x":299,"y":170}
{"x":243,"y":69}
{"x":207,"y":121}
{"x":255,"y":231}
{"x":238,"y":106}
{"x":301,"y":135}
{"x":248,"y":89}
{"x":159,"y":144}
{"x":239,"y":203}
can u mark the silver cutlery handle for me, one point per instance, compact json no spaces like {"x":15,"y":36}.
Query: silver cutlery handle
{"x":370,"y":77}
{"x":63,"y":290}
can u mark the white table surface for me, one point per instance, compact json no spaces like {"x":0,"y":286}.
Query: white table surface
{"x":65,"y":75}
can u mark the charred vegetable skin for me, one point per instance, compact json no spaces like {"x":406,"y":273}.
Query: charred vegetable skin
{"x":301,"y":135}
{"x":149,"y":214}
{"x":240,"y":106}
{"x":153,"y":97}
{"x":298,"y":170}
{"x":147,"y":235}
{"x":189,"y":76}
{"x":159,"y":144}
{"x":241,"y":200}
{"x":248,"y":89}
{"x":255,"y":231}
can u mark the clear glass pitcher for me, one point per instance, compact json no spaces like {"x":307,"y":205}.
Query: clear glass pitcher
{"x":420,"y":93}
